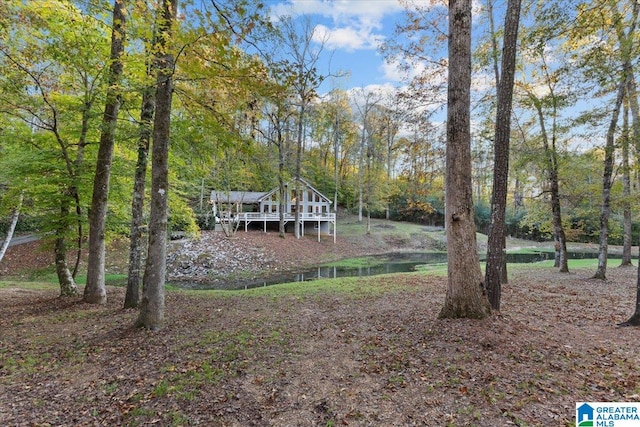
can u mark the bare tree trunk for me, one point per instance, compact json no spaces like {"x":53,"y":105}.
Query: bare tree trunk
{"x":634,"y":320}
{"x":360,"y":170}
{"x":299,"y":169}
{"x":132,"y":296}
{"x":626,"y":190}
{"x":605,"y":211}
{"x":465,"y":297}
{"x":95,"y":291}
{"x":151,"y":314}
{"x":551,"y":164}
{"x":68,"y":286}
{"x":282,"y":191}
{"x":12,"y":226}
{"x":496,"y":259}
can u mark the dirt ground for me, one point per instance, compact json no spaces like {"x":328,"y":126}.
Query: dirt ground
{"x":373,"y":354}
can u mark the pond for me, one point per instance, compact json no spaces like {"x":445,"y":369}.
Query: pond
{"x":401,"y":262}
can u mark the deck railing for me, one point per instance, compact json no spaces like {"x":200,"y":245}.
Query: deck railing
{"x":304,"y":216}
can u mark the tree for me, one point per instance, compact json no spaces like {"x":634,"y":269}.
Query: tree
{"x":12,"y":225}
{"x":145,"y":128}
{"x":95,"y":291}
{"x":151,"y":315}
{"x":626,"y":187}
{"x":626,"y":44}
{"x":495,"y":250}
{"x":304,"y":82}
{"x":52,"y":81}
{"x":546,"y":99}
{"x":465,"y":297}
{"x":632,"y":92}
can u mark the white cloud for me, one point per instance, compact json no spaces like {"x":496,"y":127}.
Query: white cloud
{"x":398,"y":72}
{"x":354,"y":25}
{"x":347,"y":38}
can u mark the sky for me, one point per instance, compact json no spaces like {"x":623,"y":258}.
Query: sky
{"x":353,"y":30}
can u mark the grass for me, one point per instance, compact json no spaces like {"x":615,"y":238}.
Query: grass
{"x":344,"y":285}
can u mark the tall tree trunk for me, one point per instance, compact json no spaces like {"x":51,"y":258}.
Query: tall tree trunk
{"x":551,"y":164}
{"x":12,"y":226}
{"x":496,"y":260}
{"x":632,"y":93}
{"x":95,"y":290}
{"x":132,"y":297}
{"x":281,"y":189}
{"x":605,"y":210}
{"x":68,"y":286}
{"x":558,"y":229}
{"x":299,"y":169}
{"x":465,"y":297}
{"x":360,"y":169}
{"x":627,"y":239}
{"x":151,"y":314}
{"x":335,"y":162}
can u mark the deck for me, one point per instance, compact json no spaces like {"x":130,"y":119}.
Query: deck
{"x":305,"y":217}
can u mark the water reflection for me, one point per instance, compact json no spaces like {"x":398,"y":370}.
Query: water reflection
{"x":381,"y":264}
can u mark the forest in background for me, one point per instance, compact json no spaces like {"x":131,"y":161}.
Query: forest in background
{"x":248,"y":113}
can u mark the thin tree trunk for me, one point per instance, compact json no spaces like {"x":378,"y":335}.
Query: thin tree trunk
{"x":632,"y":93}
{"x":551,"y":160}
{"x":299,"y":169}
{"x":151,"y":314}
{"x":95,"y":291}
{"x":605,"y":211}
{"x":626,"y":190}
{"x":68,"y":286}
{"x":282,"y":191}
{"x":465,"y":297}
{"x":335,"y":162}
{"x":12,"y":226}
{"x":496,"y":259}
{"x":132,"y":296}
{"x":361,"y":166}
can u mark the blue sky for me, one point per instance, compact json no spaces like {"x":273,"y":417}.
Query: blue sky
{"x":353,"y":30}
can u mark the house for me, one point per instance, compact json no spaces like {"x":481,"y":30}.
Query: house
{"x":247,"y":207}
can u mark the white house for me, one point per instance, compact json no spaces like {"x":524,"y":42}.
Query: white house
{"x":248,"y":207}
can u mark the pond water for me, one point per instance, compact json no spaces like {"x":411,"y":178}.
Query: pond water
{"x":380,"y":264}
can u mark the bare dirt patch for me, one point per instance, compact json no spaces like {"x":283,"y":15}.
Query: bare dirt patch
{"x":373,"y":356}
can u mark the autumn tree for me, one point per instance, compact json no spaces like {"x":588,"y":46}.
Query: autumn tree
{"x":151,"y":315}
{"x":465,"y":296}
{"x":53,"y":81}
{"x":496,"y":244}
{"x":544,"y":91}
{"x":95,"y":291}
{"x":626,"y":40}
{"x":304,"y":79}
{"x":145,"y":129}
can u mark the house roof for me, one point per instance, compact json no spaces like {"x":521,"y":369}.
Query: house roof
{"x":249,"y":197}
{"x":237,"y":196}
{"x":306,"y":184}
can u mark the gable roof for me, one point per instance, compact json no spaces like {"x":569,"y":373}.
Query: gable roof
{"x":250,"y":197}
{"x":306,"y":184}
{"x":237,"y":196}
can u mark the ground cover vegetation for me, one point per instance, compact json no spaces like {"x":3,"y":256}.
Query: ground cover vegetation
{"x":220,"y":96}
{"x":353,"y":352}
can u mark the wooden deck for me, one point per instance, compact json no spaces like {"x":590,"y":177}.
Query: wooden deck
{"x":249,"y":217}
